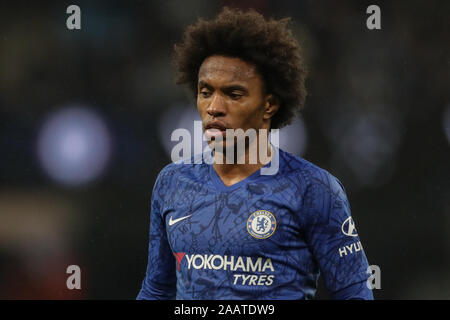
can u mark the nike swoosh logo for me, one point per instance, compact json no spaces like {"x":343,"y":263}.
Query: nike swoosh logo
{"x":173,"y":221}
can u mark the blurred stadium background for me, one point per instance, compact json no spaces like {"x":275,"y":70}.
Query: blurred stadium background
{"x":86,"y":116}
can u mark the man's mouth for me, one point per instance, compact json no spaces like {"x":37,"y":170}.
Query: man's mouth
{"x":214,"y":129}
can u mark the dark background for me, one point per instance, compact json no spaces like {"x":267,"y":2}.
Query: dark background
{"x":377,"y":117}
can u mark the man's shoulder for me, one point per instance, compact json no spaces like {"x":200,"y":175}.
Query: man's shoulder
{"x":309,"y":174}
{"x":186,"y":167}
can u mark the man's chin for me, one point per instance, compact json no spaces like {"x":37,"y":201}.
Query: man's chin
{"x":219,"y":146}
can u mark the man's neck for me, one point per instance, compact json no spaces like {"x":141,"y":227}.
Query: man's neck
{"x":231,"y":173}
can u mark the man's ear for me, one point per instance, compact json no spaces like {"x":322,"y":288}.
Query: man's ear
{"x":271,"y":106}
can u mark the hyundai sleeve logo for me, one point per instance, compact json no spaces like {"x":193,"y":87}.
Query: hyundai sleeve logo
{"x":348,"y":228}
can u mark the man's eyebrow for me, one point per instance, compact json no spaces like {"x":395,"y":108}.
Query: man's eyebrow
{"x":203,"y":83}
{"x":234,"y":87}
{"x":230,"y":87}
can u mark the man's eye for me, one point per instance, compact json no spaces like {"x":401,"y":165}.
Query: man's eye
{"x":205,"y":94}
{"x":235,"y":96}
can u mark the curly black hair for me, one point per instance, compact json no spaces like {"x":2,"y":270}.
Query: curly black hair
{"x":267,"y":44}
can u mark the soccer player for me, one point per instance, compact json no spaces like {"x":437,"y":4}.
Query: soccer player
{"x":227,"y":231}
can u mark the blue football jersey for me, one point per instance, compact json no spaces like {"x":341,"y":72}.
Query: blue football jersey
{"x":265,"y":237}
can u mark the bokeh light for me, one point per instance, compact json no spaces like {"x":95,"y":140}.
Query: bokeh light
{"x":293,"y":138}
{"x":366,"y":145}
{"x":446,"y":122}
{"x":178,"y":116}
{"x":74,"y":145}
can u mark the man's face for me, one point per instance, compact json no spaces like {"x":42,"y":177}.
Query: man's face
{"x":230,"y":96}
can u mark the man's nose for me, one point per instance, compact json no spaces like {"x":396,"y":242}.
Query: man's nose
{"x":217,"y":106}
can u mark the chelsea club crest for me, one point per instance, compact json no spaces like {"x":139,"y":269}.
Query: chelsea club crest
{"x":261,"y":224}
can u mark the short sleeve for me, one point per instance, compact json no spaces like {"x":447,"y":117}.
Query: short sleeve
{"x":333,"y":239}
{"x":160,"y":279}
